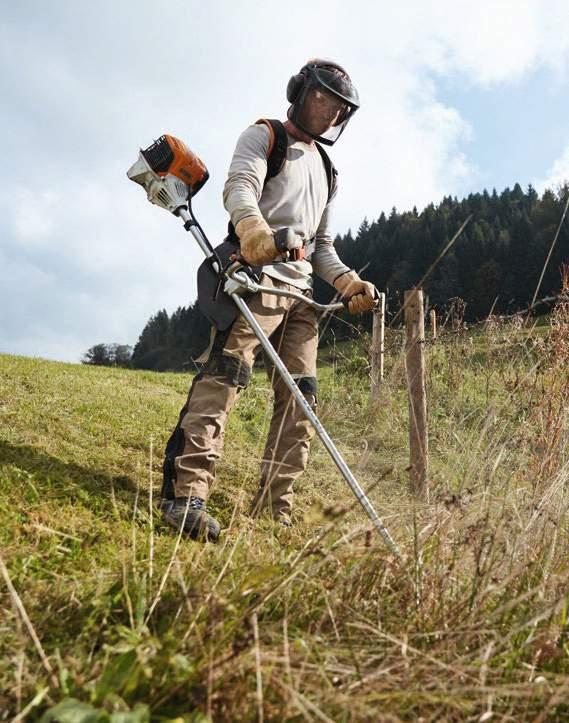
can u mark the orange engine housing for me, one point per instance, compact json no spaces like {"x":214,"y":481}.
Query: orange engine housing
{"x":170,"y":155}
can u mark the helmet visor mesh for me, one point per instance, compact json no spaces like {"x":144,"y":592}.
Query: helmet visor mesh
{"x":321,"y":114}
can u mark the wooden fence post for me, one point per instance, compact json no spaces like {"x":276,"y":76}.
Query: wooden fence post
{"x":433,"y":317}
{"x":415,"y":368}
{"x":377,"y":347}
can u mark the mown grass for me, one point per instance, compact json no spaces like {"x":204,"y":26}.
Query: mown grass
{"x":319,"y":622}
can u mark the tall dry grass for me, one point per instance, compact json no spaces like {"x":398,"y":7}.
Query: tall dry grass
{"x":319,"y":622}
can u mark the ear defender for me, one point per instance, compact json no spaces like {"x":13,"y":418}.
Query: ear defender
{"x":294,"y":86}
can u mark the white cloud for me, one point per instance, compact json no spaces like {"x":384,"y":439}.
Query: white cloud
{"x":488,"y":42}
{"x":87,"y":267}
{"x":557,"y":175}
{"x":87,"y":84}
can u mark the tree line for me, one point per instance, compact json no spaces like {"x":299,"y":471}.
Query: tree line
{"x":108,"y":355}
{"x":495,"y":265}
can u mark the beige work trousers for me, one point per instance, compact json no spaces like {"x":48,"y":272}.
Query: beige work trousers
{"x":292,"y":328}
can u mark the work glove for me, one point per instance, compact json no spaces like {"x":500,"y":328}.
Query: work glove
{"x":257,"y":240}
{"x":360,"y":294}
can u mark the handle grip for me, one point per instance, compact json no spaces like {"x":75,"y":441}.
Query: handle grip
{"x":236,"y":263}
{"x":346,"y":301}
{"x":285,"y":240}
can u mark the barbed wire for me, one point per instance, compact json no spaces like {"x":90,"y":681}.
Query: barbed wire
{"x":444,"y":334}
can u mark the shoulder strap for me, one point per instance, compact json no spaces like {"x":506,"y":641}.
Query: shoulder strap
{"x":331,"y":172}
{"x":276,"y":155}
{"x":278,"y":144}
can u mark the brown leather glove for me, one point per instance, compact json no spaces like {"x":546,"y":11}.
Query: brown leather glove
{"x":361,"y":294}
{"x":257,"y":241}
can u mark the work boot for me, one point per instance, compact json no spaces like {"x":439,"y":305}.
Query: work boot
{"x":193,"y":515}
{"x":283,"y":518}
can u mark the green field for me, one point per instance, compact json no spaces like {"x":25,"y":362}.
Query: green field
{"x":315,"y":623}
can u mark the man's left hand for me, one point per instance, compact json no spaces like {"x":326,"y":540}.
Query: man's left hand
{"x":361,"y":294}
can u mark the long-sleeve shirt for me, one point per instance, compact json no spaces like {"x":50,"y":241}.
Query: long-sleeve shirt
{"x":296,"y":198}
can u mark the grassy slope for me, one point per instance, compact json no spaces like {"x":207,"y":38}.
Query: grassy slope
{"x":318,"y":622}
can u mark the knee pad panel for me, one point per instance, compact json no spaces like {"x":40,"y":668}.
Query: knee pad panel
{"x":309,"y":387}
{"x":235,"y":371}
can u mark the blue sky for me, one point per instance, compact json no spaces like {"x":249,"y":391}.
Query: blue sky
{"x":518,"y":129}
{"x":456,"y":96}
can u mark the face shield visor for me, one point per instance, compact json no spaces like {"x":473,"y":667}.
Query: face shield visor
{"x":325,"y":104}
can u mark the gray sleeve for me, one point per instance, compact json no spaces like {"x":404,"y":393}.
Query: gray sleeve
{"x":247,"y":171}
{"x":325,"y":260}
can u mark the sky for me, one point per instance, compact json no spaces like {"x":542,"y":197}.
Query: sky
{"x":455,"y":97}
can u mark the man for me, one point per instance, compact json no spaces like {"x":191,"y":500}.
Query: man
{"x":296,"y":196}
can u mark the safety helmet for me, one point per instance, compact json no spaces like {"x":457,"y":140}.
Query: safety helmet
{"x":323,"y":99}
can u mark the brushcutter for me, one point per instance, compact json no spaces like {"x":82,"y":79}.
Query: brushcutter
{"x":171,"y":174}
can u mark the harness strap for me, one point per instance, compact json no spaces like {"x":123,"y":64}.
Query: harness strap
{"x":278,"y":144}
{"x":331,"y":171}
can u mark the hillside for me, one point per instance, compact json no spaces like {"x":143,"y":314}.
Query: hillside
{"x":314,"y":623}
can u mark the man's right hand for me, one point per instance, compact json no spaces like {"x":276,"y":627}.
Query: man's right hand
{"x":257,"y":241}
